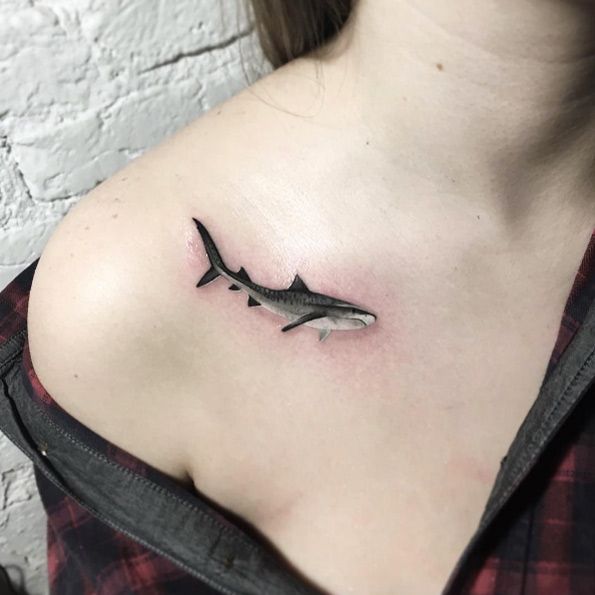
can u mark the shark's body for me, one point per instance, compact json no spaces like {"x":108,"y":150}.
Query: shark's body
{"x":296,"y":303}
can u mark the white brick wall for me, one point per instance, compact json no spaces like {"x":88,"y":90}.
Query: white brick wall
{"x":86,"y":85}
{"x":22,"y":522}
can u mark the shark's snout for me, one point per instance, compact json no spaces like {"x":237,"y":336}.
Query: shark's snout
{"x":368,"y":318}
{"x":362,"y":317}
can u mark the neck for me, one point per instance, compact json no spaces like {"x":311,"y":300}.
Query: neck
{"x":490,"y":100}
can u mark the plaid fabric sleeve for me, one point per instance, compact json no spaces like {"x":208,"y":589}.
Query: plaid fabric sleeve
{"x":84,"y":555}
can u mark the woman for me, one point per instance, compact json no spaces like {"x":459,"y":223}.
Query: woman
{"x":428,"y":168}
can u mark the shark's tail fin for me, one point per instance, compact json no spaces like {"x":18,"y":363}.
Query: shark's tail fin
{"x":217,"y":264}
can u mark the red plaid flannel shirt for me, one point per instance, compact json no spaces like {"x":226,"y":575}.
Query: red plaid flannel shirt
{"x":544,"y":544}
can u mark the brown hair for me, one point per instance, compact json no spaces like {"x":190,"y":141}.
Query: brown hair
{"x":288,"y":29}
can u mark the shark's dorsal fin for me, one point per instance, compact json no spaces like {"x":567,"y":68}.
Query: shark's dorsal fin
{"x":297,"y":284}
{"x":242,"y":274}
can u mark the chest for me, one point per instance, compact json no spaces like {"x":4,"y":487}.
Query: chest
{"x":379,"y":481}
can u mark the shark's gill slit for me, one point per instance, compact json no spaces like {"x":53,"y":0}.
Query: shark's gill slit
{"x":297,"y":303}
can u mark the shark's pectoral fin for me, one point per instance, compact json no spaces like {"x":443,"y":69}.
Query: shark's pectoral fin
{"x":208,"y":277}
{"x":252,"y":302}
{"x":303,"y":319}
{"x":324,"y":333}
{"x":234,"y":287}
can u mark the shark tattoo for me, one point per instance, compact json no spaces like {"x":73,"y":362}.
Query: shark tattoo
{"x":296,"y":303}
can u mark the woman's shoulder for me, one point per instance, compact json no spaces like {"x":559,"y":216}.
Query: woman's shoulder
{"x":120,"y":253}
{"x":114,"y":311}
{"x":112,"y":320}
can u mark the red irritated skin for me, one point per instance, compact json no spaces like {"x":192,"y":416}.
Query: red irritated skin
{"x":296,"y":303}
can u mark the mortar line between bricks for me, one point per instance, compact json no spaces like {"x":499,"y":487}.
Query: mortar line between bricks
{"x":5,"y":142}
{"x":200,"y":51}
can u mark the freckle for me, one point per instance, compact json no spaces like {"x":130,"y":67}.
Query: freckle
{"x":123,"y":179}
{"x":116,"y":199}
{"x":439,"y":66}
{"x":76,"y":375}
{"x":367,"y":142}
{"x":404,"y":98}
{"x":115,"y":216}
{"x":478,"y":216}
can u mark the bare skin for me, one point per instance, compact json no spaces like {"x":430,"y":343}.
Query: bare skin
{"x":439,"y":171}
